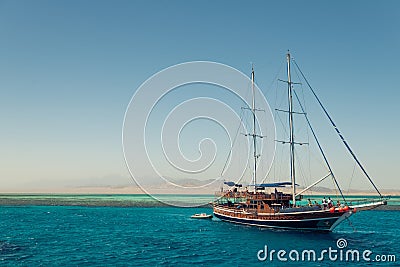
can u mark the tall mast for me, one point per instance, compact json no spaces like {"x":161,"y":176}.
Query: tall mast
{"x":253,"y":109}
{"x":292,"y":165}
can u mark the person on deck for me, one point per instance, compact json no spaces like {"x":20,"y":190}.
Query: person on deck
{"x":330,"y":204}
{"x":324,"y":203}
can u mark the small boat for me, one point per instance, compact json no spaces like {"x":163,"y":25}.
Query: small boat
{"x":201,"y":216}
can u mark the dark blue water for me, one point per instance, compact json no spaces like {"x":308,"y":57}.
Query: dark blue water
{"x":166,"y":236}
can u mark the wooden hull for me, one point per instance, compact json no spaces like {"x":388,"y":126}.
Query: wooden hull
{"x":314,"y":221}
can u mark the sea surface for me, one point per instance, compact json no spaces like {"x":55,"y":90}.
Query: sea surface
{"x":79,"y":233}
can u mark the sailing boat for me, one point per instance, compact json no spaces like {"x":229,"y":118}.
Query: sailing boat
{"x":275,"y":209}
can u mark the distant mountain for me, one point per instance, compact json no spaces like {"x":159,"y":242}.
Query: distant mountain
{"x":190,"y":182}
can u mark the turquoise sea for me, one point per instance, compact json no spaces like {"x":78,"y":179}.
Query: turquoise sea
{"x":133,"y":230}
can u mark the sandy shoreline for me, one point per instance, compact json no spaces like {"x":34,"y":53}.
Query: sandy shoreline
{"x":119,"y":197}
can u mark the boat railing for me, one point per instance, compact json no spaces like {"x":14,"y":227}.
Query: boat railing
{"x":253,"y":196}
{"x":229,"y":194}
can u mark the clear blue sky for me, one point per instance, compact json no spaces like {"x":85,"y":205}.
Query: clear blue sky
{"x":69,"y":68}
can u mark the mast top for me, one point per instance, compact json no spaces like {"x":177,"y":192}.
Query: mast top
{"x":288,"y":56}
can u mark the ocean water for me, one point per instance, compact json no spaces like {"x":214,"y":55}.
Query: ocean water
{"x":167,"y":236}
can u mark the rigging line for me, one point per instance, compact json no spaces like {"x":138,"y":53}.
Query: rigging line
{"x":283,"y":125}
{"x":338,"y":132}
{"x":302,"y":94}
{"x":351,"y":179}
{"x":278,"y":165}
{"x":302,"y":88}
{"x":282,"y":167}
{"x":299,"y":161}
{"x":304,"y":102}
{"x":275,"y":166}
{"x":320,"y":147}
{"x":316,"y":157}
{"x":282,"y":99}
{"x":307,"y":130}
{"x":351,"y":224}
{"x":275,"y":78}
{"x":334,"y":187}
{"x":234,"y":141}
{"x":309,"y":154}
